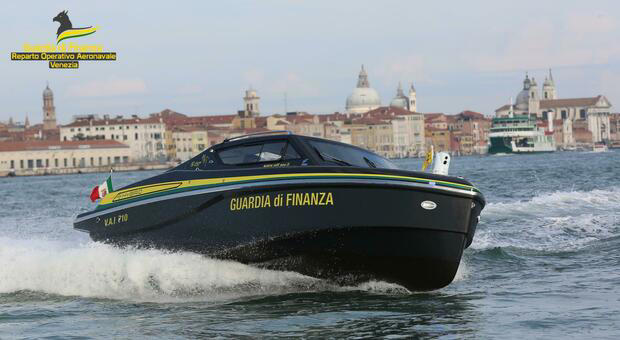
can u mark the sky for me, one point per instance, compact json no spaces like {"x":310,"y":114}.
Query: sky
{"x":198,"y":57}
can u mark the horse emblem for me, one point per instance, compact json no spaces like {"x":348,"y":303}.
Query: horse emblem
{"x":66,"y":30}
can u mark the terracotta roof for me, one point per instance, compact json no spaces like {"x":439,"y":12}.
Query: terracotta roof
{"x":112,"y":121}
{"x":389,"y":110}
{"x":308,"y":119}
{"x":370,"y":121}
{"x":188,"y":128}
{"x":433,"y":115}
{"x":471,"y":114}
{"x":60,"y":145}
{"x":551,"y":103}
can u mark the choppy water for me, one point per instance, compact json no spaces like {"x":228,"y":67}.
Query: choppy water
{"x":545,"y":263}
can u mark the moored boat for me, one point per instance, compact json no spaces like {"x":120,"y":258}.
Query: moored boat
{"x":282,"y":201}
{"x":600,"y":147}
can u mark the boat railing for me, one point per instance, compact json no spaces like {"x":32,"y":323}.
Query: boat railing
{"x":257,"y":134}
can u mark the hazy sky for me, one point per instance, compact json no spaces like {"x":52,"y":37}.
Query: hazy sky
{"x":198,"y":57}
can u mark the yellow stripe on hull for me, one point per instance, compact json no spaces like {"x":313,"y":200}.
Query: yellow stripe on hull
{"x":153,"y":188}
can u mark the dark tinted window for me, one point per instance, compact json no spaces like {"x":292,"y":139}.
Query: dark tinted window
{"x":338,"y":153}
{"x":255,"y":153}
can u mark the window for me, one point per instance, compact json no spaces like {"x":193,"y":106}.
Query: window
{"x":344,"y":154}
{"x":21,"y":163}
{"x":582,"y":114}
{"x":124,"y":137}
{"x":12,"y":164}
{"x":30,"y":164}
{"x":255,"y":153}
{"x":65,"y":162}
{"x":100,"y":161}
{"x":117,"y":159}
{"x":564,"y":114}
{"x":47,"y":163}
{"x":136,"y":136}
{"x":39,"y":163}
{"x":92,"y":161}
{"x":125,"y":159}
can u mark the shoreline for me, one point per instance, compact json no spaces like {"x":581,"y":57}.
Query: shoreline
{"x":98,"y":169}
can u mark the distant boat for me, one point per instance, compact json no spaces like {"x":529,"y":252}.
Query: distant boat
{"x":518,"y":134}
{"x":599,"y":147}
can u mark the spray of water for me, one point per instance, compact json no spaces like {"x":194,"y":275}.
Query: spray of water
{"x":560,"y":221}
{"x":103,"y":271}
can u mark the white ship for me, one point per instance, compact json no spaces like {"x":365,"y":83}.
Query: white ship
{"x":519,"y":134}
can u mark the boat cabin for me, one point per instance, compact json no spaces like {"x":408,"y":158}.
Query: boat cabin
{"x":282,"y":149}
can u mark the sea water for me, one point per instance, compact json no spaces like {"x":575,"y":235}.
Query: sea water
{"x":545,"y":263}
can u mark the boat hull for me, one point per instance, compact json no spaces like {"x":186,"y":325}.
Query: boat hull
{"x":347,"y":232}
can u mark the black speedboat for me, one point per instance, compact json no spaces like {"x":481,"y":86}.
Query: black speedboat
{"x":289,"y":202}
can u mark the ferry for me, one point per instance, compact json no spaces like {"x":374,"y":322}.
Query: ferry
{"x":519,"y":134}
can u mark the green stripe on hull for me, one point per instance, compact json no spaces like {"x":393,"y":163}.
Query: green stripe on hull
{"x":174,"y":191}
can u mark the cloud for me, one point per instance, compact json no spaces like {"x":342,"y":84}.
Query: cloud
{"x":292,"y":82}
{"x":404,"y":68}
{"x":113,"y":86}
{"x":576,"y":40}
{"x":189,"y":89}
{"x":253,"y":77}
{"x":581,"y":23}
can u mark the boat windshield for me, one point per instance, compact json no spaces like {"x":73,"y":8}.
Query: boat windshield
{"x":342,"y":154}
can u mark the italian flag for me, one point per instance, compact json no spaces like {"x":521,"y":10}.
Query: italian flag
{"x":101,"y":190}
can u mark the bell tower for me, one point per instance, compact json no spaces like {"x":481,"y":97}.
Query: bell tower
{"x":49,"y":111}
{"x":549,"y":87}
{"x":413,"y":105}
{"x":250,"y":101}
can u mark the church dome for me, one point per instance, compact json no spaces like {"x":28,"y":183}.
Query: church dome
{"x":400,"y":100}
{"x":523,"y":100}
{"x":364,"y":98}
{"x":47,"y":92}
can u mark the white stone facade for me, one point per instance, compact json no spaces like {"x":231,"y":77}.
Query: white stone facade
{"x":145,"y":137}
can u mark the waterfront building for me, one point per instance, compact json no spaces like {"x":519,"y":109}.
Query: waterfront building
{"x":39,"y":157}
{"x":407,"y":129}
{"x":144,"y":136}
{"x":188,"y":141}
{"x":614,"y":129}
{"x":594,"y":111}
